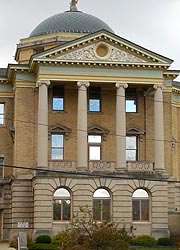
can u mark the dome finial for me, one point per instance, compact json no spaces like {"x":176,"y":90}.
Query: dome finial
{"x":73,"y":6}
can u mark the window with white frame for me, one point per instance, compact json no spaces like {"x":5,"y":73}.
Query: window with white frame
{"x":1,"y":113}
{"x":140,"y":205}
{"x":94,"y":99}
{"x":132,"y":148}
{"x":58,"y":98}
{"x":94,"y":145}
{"x":57,"y":146}
{"x":62,"y":205}
{"x":1,"y":166}
{"x":101,"y":205}
{"x":131,"y":104}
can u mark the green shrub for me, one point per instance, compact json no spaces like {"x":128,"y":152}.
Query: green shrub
{"x":43,"y":239}
{"x":57,"y":239}
{"x":86,"y":234}
{"x":42,"y":247}
{"x":164,"y":242}
{"x":176,"y":241}
{"x":144,"y":240}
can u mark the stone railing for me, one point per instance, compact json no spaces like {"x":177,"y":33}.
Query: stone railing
{"x":104,"y":166}
{"x":63,"y":165}
{"x":140,"y":166}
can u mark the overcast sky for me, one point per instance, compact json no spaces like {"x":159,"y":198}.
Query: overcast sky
{"x":153,"y":24}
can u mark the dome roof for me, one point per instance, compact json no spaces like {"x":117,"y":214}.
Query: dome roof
{"x":72,"y":22}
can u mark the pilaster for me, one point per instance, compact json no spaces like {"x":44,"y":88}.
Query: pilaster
{"x":42,"y":150}
{"x":82,"y":125}
{"x":158,"y":129}
{"x":120,"y":126}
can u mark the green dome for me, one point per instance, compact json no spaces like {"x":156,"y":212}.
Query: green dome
{"x":70,"y":22}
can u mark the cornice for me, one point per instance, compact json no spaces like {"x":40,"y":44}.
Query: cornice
{"x":144,"y":65}
{"x":175,"y":90}
{"x":112,"y":39}
{"x":3,"y":80}
{"x":6,"y":95}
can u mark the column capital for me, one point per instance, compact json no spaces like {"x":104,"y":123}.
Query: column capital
{"x":121,"y":84}
{"x":83,"y":83}
{"x":41,"y":82}
{"x":158,"y":85}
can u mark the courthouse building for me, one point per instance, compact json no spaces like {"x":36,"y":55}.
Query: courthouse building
{"x":88,"y":119}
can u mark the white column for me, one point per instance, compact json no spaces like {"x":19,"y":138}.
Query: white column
{"x":158,"y":129}
{"x":120,"y":126}
{"x":82,"y":126}
{"x":42,"y":140}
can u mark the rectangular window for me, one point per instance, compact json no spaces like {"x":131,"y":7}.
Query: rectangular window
{"x":58,"y":98}
{"x":57,"y":147}
{"x":131,"y":104}
{"x":94,"y":99}
{"x":1,"y":167}
{"x":131,"y":148}
{"x":94,"y":142}
{"x":1,"y":113}
{"x":141,"y":210}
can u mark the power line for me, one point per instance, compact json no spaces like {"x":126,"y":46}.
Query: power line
{"x":111,"y":134}
{"x":90,"y":174}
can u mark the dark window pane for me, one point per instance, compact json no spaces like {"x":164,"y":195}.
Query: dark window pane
{"x":57,"y":210}
{"x":94,"y":99}
{"x":58,"y":91}
{"x":1,"y":167}
{"x":97,"y":209}
{"x":66,"y":209}
{"x":106,"y":209}
{"x":58,"y":98}
{"x":145,"y":210}
{"x":136,"y":210}
{"x":1,"y":191}
{"x":94,"y":92}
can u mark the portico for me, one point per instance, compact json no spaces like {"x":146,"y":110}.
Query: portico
{"x":82,"y":163}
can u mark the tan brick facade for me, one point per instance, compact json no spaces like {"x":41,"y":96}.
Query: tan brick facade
{"x":28,"y":193}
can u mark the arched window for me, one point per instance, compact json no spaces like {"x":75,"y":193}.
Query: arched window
{"x":61,"y":205}
{"x":140,"y":205}
{"x":101,"y":205}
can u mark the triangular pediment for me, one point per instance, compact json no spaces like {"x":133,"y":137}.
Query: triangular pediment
{"x":60,"y":129}
{"x":103,"y":47}
{"x":98,"y":130}
{"x":135,"y":131}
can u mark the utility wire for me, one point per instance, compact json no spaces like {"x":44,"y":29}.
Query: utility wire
{"x":89,"y":174}
{"x":111,"y":134}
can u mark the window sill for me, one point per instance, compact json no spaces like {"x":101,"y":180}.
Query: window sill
{"x":133,"y":113}
{"x":141,"y":222}
{"x":61,"y":222}
{"x":95,"y":113}
{"x":58,"y":112}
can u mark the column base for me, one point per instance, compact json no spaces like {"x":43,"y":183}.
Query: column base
{"x":82,"y":169}
{"x":121,"y":170}
{"x":162,"y":172}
